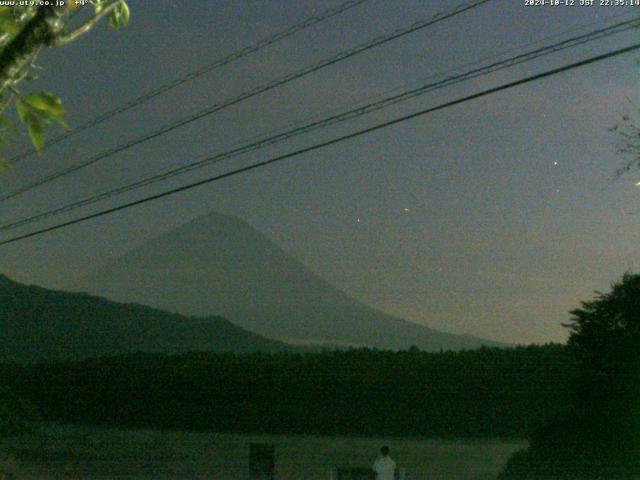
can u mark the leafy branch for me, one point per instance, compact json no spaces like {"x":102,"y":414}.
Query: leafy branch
{"x":118,"y":12}
{"x":24,"y":32}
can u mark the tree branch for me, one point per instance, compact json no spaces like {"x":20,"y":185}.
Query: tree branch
{"x":63,"y":39}
{"x":38,"y":31}
{"x":22,"y":19}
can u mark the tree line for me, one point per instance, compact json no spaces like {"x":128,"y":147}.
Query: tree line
{"x":479,"y":393}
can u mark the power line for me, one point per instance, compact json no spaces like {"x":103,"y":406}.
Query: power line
{"x":251,"y":93}
{"x":331,"y":120}
{"x":176,"y":82}
{"x":333,"y":141}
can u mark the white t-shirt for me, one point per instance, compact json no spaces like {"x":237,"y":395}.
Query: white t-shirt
{"x":385,"y":468}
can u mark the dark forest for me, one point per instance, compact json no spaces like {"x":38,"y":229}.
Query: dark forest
{"x":482,"y":393}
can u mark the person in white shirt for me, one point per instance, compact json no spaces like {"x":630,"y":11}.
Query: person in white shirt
{"x":384,"y":466}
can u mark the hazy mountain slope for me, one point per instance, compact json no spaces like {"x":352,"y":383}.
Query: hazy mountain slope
{"x":221,"y":265}
{"x":36,"y":324}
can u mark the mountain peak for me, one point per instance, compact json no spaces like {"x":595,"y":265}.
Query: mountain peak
{"x":215,"y":220}
{"x":219,"y":264}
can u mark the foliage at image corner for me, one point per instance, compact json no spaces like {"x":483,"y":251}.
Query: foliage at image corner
{"x":598,"y":436}
{"x":42,"y":26}
{"x":627,"y":130}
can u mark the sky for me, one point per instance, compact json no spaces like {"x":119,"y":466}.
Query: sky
{"x":495,"y":217}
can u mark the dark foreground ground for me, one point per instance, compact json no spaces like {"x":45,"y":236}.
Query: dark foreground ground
{"x":65,"y":452}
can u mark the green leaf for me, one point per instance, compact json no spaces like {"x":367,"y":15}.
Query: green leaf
{"x":22,"y":110}
{"x":114,"y":19}
{"x":60,"y":121}
{"x":119,"y":16}
{"x":36,"y":132}
{"x":126,"y":13}
{"x":45,"y":102}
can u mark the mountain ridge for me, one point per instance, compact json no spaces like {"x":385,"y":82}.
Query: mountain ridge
{"x":218,"y":264}
{"x":39,"y":324}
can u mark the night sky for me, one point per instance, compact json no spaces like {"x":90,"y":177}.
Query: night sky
{"x":493,"y":218}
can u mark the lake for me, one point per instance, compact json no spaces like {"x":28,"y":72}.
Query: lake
{"x":107,"y":453}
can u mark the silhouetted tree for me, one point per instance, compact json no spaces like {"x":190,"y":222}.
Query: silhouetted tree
{"x":599,"y":436}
